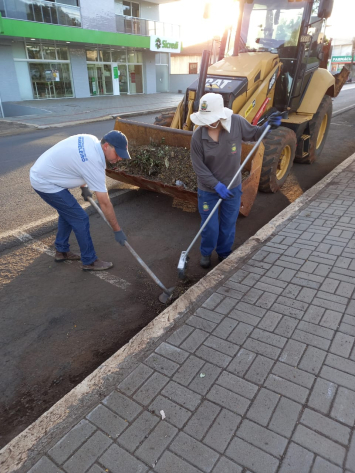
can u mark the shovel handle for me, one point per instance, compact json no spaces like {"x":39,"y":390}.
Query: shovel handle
{"x":131,"y":250}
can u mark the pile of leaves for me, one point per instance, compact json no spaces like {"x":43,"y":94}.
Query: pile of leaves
{"x":168,"y":164}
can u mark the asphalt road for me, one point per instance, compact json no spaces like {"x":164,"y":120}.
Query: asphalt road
{"x":17,"y":154}
{"x":59,"y":323}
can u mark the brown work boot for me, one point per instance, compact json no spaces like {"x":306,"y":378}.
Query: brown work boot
{"x":97,"y":265}
{"x":65,"y":256}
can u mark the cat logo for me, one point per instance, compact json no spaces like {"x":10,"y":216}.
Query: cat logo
{"x":204,"y":106}
{"x":234,"y":148}
{"x":250,"y":108}
{"x":206,"y":207}
{"x":217,"y":83}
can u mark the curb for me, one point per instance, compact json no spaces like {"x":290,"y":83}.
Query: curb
{"x":97,"y":119}
{"x":10,"y":239}
{"x":114,"y":116}
{"x":24,"y":450}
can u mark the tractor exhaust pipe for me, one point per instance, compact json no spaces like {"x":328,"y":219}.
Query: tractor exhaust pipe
{"x":205,"y":62}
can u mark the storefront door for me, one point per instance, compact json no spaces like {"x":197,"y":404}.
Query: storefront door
{"x":135,"y":79}
{"x":100,"y":79}
{"x":162,"y":78}
{"x":122,"y":68}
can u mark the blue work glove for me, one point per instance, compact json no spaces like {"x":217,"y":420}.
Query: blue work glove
{"x":274,"y":120}
{"x":120,"y":237}
{"x":222,"y":191}
{"x":85,"y":193}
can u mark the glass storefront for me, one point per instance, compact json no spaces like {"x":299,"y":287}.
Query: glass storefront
{"x":43,"y":70}
{"x":50,"y":80}
{"x":100,"y":63}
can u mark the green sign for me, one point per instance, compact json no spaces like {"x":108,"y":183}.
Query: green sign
{"x":115,"y":72}
{"x":342,"y":58}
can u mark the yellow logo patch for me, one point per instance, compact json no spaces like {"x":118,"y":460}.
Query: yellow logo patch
{"x":206,"y":207}
{"x":234,"y":148}
{"x":248,"y":110}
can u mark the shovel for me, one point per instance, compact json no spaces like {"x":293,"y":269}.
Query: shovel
{"x":166,"y":295}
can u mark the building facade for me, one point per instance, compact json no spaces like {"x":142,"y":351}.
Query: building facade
{"x":82,"y":48}
{"x":343,"y":53}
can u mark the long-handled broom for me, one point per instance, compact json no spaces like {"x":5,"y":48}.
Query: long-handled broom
{"x":184,"y":254}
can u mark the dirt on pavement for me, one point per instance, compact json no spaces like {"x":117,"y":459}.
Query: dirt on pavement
{"x":14,"y":128}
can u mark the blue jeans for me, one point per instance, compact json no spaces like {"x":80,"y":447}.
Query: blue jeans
{"x":71,"y":217}
{"x":220,"y":231}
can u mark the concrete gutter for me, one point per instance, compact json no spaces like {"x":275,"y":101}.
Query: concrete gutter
{"x":24,"y":450}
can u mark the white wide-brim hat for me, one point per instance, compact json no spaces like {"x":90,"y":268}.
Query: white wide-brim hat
{"x":211,"y":110}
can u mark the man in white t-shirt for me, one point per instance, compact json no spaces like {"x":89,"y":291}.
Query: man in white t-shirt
{"x":79,"y":160}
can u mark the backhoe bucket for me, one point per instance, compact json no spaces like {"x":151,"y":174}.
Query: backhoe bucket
{"x":143,"y":134}
{"x":340,"y":79}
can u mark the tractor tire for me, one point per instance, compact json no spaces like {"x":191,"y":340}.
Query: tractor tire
{"x":280,"y":148}
{"x":164,"y":119}
{"x":318,"y":129}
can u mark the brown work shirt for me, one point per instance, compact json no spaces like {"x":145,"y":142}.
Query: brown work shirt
{"x":214,"y":161}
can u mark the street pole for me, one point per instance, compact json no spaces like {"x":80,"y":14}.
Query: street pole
{"x":1,"y":109}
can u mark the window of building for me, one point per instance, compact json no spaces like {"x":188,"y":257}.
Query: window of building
{"x":162,"y":58}
{"x":126,"y":8}
{"x":106,"y":55}
{"x":119,"y":56}
{"x":192,"y":67}
{"x":50,"y":80}
{"x":46,"y":52}
{"x":130,"y":8}
{"x":43,"y":70}
{"x":91,"y":54}
{"x":49,"y":52}
{"x":135,"y":57}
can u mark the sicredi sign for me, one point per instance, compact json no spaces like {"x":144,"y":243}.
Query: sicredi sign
{"x":164,"y":45}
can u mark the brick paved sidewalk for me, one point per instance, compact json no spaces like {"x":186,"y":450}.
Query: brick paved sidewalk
{"x":259,"y":379}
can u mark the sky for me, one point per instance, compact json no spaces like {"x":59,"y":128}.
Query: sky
{"x":196,"y":29}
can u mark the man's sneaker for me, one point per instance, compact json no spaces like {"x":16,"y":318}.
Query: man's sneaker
{"x":65,"y":256}
{"x":205,"y":261}
{"x":97,"y":265}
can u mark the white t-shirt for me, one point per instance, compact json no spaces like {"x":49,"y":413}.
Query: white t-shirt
{"x":73,"y":162}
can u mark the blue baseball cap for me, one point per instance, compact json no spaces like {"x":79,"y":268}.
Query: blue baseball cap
{"x":119,"y":141}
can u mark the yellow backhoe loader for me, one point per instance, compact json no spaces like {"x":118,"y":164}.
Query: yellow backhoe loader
{"x":269,"y":60}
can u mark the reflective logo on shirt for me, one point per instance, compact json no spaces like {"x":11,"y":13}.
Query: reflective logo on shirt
{"x":81,"y":149}
{"x":234,"y":148}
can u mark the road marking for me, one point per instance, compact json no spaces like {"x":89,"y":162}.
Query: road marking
{"x":110,"y":278}
{"x":43,"y":221}
{"x":342,"y":110}
{"x":27,"y":240}
{"x":341,"y":124}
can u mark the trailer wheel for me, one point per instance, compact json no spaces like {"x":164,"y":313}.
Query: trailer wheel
{"x":164,"y":119}
{"x":280,"y":148}
{"x":318,"y":129}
